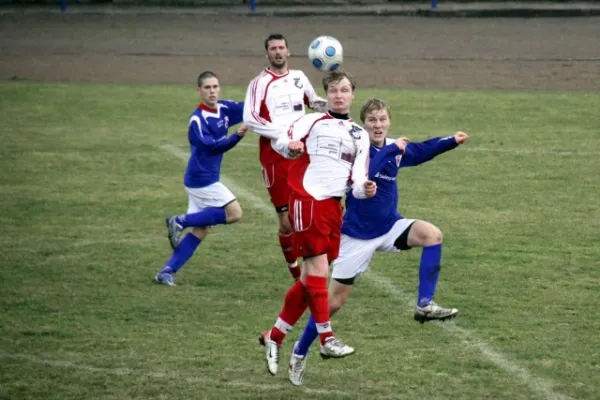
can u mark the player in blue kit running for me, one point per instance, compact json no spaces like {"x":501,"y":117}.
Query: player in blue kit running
{"x":209,"y":201}
{"x":375,"y":224}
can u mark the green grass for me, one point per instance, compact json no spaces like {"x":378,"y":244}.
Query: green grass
{"x":85,"y":186}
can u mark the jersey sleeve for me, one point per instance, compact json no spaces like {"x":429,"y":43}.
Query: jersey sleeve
{"x":297,"y":131}
{"x":379,"y":160}
{"x":360,"y":167}
{"x":235,"y":111}
{"x":254,"y":112}
{"x":421,"y":152}
{"x":201,"y":137}
{"x":311,"y":98}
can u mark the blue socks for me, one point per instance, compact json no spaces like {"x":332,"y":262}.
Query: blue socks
{"x":309,"y":335}
{"x":182,"y":253}
{"x":207,"y":217}
{"x":429,"y":272}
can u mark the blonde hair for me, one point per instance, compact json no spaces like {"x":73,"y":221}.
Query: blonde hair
{"x":374,"y":105}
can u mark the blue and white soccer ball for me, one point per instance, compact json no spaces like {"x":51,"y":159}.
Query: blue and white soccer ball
{"x":326,"y":53}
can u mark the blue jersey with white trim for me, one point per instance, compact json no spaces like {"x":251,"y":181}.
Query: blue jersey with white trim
{"x":375,"y":216}
{"x":207,"y":134}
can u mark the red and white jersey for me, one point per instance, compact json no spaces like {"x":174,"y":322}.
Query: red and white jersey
{"x":273,"y":102}
{"x":336,"y":156}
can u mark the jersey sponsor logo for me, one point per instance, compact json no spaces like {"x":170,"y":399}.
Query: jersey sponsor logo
{"x":355,"y":131}
{"x":224,"y":123}
{"x":297,"y":107}
{"x":298,"y":84}
{"x":384,"y":177}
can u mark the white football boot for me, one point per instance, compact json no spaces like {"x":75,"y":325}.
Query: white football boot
{"x":432,"y":312}
{"x":297,"y":367}
{"x":335,"y":348}
{"x":271,"y":354}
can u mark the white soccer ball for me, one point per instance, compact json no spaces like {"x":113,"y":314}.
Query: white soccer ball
{"x":326,"y":53}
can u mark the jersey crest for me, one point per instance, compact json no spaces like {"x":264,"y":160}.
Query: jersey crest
{"x":298,"y":84}
{"x":355,"y":131}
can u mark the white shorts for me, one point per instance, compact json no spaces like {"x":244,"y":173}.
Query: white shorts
{"x":355,"y":254}
{"x":215,"y":195}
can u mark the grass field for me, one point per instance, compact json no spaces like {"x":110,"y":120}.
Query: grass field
{"x":89,"y":172}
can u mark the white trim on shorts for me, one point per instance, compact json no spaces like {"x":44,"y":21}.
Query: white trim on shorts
{"x":213,"y":195}
{"x":355,"y":254}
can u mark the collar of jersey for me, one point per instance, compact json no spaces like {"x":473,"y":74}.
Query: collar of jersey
{"x":345,"y":117}
{"x":204,"y":107}
{"x":275,"y":75}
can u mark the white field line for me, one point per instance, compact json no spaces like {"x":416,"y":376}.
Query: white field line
{"x":255,"y":201}
{"x":541,"y":387}
{"x":203,"y":380}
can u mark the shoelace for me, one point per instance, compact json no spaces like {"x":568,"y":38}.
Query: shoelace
{"x":296,"y":366}
{"x":335,"y":342}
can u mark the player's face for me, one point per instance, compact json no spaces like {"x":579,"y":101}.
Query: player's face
{"x":377,"y":124}
{"x":340,"y":96}
{"x":210,"y":91}
{"x":278,"y":53}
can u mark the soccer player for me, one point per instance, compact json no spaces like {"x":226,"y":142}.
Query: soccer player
{"x":277,"y":97}
{"x":329,"y":151}
{"x":209,"y":201}
{"x":376,"y":225}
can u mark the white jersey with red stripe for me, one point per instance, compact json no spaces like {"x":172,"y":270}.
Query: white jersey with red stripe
{"x":336,"y":156}
{"x":273,"y":102}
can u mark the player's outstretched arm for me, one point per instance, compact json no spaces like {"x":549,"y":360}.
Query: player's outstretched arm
{"x":201,"y":137}
{"x":386,"y":154}
{"x":419,"y":153}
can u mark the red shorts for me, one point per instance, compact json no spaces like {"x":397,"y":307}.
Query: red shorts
{"x":317,"y":225}
{"x":275,"y":175}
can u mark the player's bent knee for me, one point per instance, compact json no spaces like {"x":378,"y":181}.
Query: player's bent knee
{"x":431,"y":236}
{"x":424,"y":234}
{"x":233,"y":212}
{"x":435,"y":236}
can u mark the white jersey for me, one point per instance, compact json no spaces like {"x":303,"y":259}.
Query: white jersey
{"x":273,"y":102}
{"x":336,"y":156}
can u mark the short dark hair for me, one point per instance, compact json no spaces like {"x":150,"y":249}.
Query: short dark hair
{"x":204,"y":76}
{"x":275,"y":36}
{"x":337,"y":76}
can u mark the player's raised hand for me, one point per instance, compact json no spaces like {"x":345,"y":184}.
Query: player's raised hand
{"x":242,"y":130}
{"x":370,"y":188}
{"x":401,"y":143}
{"x":296,"y":147}
{"x":461,"y":137}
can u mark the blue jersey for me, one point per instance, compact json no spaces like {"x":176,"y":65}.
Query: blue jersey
{"x":207,"y":134}
{"x":375,"y":216}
